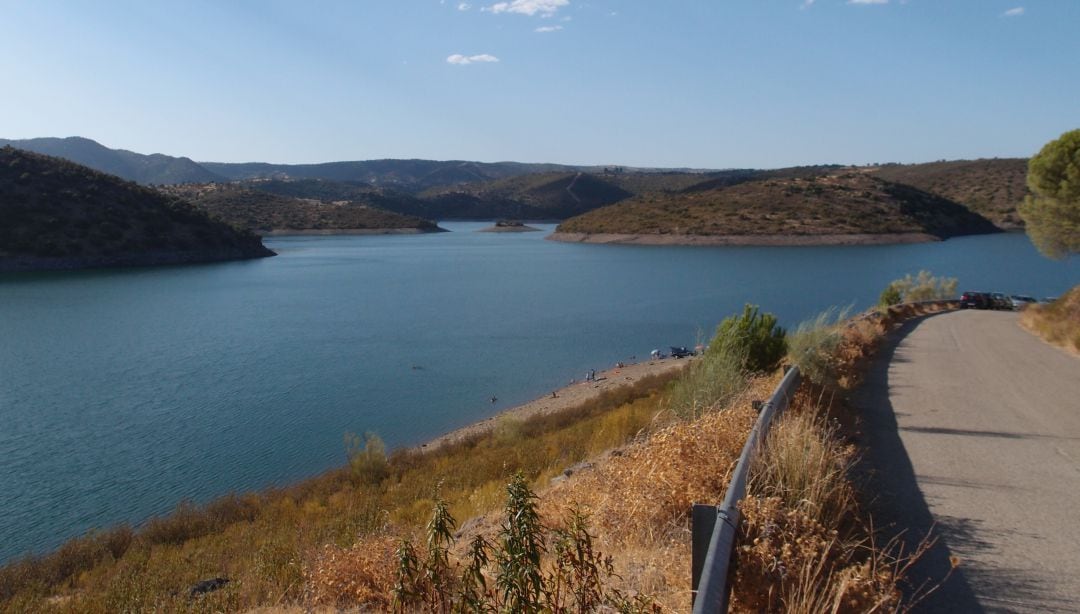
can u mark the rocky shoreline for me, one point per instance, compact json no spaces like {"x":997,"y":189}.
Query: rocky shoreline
{"x":287,"y":232}
{"x":743,"y":240}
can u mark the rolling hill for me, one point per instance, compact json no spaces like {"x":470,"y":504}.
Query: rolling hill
{"x":141,"y":168}
{"x":266,"y":212}
{"x":60,"y":215}
{"x":993,"y":188}
{"x":826,"y":208}
{"x":541,"y":196}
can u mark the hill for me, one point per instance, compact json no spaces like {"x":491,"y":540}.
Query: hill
{"x":844,"y":207}
{"x":145,"y":169}
{"x":536,"y":197}
{"x":993,"y":188}
{"x":60,"y":215}
{"x":406,"y":175}
{"x":266,"y":212}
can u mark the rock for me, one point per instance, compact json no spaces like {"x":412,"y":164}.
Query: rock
{"x":582,"y":466}
{"x":207,"y":586}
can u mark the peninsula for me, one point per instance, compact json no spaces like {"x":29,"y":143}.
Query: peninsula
{"x":843,"y":207}
{"x":60,"y":215}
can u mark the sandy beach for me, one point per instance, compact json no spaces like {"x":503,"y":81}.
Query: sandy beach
{"x":566,"y":397}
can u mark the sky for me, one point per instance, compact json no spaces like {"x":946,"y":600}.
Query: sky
{"x":672,"y":83}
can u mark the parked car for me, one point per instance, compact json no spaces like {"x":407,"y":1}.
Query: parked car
{"x":1049,"y":299}
{"x":1000,"y":301}
{"x":1019,"y":301}
{"x":975,"y":300}
{"x":680,"y":352}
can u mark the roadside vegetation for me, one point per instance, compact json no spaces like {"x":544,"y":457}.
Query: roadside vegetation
{"x":1057,"y":322}
{"x":573,"y":511}
{"x":922,"y":287}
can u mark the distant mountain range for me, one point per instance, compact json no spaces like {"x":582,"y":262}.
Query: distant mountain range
{"x":140,"y":168}
{"x":458,"y":189}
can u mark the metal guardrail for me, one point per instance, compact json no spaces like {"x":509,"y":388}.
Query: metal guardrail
{"x":714,"y":528}
{"x":719,"y":524}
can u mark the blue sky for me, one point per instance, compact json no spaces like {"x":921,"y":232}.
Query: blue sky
{"x":708,"y":84}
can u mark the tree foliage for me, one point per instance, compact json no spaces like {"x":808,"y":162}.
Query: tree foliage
{"x":755,"y":337}
{"x":1052,"y":212}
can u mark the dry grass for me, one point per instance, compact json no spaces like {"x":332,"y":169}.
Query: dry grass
{"x":1057,"y":322}
{"x":804,"y":545}
{"x":270,"y":545}
{"x":329,"y":542}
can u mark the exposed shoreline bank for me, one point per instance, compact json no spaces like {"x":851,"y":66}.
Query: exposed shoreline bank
{"x":566,"y":397}
{"x":287,"y":232}
{"x":743,"y":240}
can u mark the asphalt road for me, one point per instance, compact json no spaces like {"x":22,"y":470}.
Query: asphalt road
{"x":973,"y":428}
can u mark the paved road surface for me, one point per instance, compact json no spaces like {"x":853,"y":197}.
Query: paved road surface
{"x":973,"y":425}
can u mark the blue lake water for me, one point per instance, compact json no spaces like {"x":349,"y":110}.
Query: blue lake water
{"x":123,"y":392}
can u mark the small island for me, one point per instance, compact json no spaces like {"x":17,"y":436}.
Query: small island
{"x":509,"y":226}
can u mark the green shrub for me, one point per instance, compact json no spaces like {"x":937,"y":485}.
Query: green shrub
{"x":890,"y":296}
{"x":753,"y":336}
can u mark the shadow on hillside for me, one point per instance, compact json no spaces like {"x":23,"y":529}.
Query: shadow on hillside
{"x":900,"y":504}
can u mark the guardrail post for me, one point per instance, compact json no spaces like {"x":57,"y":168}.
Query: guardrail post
{"x":703,"y":522}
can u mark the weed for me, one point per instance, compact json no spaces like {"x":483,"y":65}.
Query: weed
{"x":813,"y":346}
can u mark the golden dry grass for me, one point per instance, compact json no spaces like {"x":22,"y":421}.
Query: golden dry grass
{"x":1057,"y":322}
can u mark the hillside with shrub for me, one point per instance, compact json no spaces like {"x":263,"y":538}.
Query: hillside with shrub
{"x":265,"y":212}
{"x":406,"y":175}
{"x":993,"y":188}
{"x":815,"y":205}
{"x":60,"y":215}
{"x":535,"y":196}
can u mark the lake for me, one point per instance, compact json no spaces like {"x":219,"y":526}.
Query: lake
{"x":123,"y":392}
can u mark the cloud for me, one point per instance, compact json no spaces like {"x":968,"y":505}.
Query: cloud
{"x":867,"y":1}
{"x":462,"y":60}
{"x":543,"y":8}
{"x":1015,"y":12}
{"x":464,"y":6}
{"x":548,"y":29}
{"x":806,"y":4}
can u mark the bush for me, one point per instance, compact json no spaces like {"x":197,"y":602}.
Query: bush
{"x":923,"y":287}
{"x":367,"y":457}
{"x":890,"y":296}
{"x":753,"y":336}
{"x":813,"y":345}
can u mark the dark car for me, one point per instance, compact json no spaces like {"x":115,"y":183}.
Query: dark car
{"x":1000,"y":301}
{"x":680,"y":352}
{"x":975,"y":300}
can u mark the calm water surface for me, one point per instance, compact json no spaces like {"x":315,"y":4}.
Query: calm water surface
{"x":124,"y":392}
